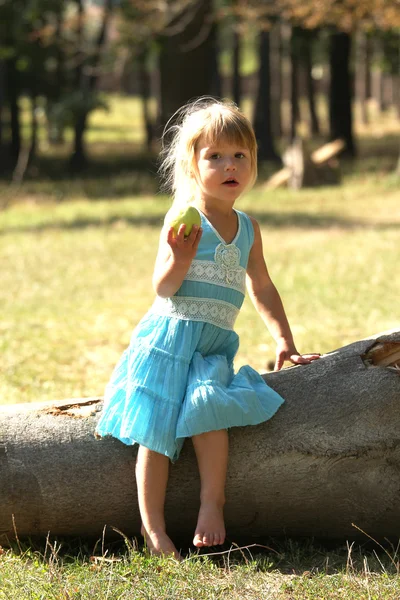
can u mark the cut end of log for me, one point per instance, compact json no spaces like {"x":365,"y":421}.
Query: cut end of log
{"x":303,"y":169}
{"x":328,"y":151}
{"x":383,"y":354}
{"x":77,"y":409}
{"x":278,"y":179}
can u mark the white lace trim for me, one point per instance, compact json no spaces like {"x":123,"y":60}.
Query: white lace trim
{"x":207,"y":271}
{"x":217,"y":312}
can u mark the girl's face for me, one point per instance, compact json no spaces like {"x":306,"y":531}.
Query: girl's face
{"x":223,"y":170}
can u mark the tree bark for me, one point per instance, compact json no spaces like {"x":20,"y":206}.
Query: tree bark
{"x":276,"y":79}
{"x":236,"y":54}
{"x":2,"y":105}
{"x":12,"y":91}
{"x":185,"y":60}
{"x":340,"y":91}
{"x":87,"y":83}
{"x":56,"y":133}
{"x":362,"y":73}
{"x":329,"y":458}
{"x":216,"y":83}
{"x":145,"y":95}
{"x":262,"y":113}
{"x":294,"y":82}
{"x":307,"y":56}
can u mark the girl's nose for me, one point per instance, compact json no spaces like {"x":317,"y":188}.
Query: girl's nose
{"x":230,"y":165}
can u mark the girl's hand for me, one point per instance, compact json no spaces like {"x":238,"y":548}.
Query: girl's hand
{"x":285,"y":351}
{"x":175,"y":254}
{"x":184,"y":248}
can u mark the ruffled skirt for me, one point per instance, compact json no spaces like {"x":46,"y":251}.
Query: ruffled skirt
{"x":176,"y":380}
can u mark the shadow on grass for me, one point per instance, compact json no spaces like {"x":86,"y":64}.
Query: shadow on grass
{"x":307,"y":221}
{"x":274,"y":220}
{"x":113,"y":172}
{"x":117,"y":170}
{"x":155,"y":221}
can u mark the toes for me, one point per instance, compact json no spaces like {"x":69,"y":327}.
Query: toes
{"x":208,"y":539}
{"x":217,"y":539}
{"x":202,"y":539}
{"x":198,"y":541}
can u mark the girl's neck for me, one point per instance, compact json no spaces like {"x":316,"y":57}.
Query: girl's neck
{"x":214,"y":208}
{"x":225,"y":222}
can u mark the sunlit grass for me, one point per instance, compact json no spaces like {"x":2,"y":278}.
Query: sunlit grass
{"x":77,"y":277}
{"x":287,"y":570}
{"x":76,"y":259}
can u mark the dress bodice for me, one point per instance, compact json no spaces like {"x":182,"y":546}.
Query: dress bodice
{"x":214,"y":287}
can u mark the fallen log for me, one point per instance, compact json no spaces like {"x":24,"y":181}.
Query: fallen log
{"x":330,"y":458}
{"x":305,"y":169}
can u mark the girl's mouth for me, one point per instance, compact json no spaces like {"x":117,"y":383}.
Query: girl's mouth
{"x":231,"y":182}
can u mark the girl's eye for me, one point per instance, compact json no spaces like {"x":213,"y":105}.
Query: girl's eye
{"x":239,"y":155}
{"x":214,"y":156}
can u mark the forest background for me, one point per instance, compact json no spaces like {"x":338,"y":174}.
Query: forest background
{"x":282,"y":57}
{"x":85,"y":89}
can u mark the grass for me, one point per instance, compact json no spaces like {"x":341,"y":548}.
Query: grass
{"x":282,"y":573}
{"x":76,"y":259}
{"x":77,"y":278}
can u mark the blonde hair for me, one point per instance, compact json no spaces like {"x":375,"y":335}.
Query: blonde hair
{"x":215,"y":121}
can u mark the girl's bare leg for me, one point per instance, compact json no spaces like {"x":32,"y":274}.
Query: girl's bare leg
{"x":152,"y":478}
{"x":212,"y":456}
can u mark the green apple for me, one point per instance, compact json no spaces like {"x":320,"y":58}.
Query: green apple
{"x":188,"y":216}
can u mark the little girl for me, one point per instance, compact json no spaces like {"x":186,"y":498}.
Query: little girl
{"x":176,"y":378}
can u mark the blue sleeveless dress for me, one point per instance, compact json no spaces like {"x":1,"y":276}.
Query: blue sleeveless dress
{"x":176,"y":378}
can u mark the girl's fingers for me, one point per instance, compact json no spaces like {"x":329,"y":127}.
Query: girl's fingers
{"x":170,"y":235}
{"x":184,"y":245}
{"x":176,"y":239}
{"x":181,"y":232}
{"x":296,"y":359}
{"x":304,"y":359}
{"x":280,"y":359}
{"x":197,"y":233}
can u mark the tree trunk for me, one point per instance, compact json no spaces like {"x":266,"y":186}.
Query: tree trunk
{"x":276,"y":79}
{"x":361,"y":78}
{"x":307,"y":56}
{"x":145,"y":94}
{"x":396,"y":79}
{"x":87,"y":83}
{"x":185,"y":60}
{"x":295,"y":43}
{"x":12,"y":92}
{"x":340,"y":91}
{"x":34,"y":129}
{"x":236,"y":51}
{"x":78,"y":159}
{"x":329,"y":458}
{"x":216,"y":83}
{"x":262,"y":113}
{"x":2,"y":105}
{"x":56,"y":132}
{"x":379,"y":51}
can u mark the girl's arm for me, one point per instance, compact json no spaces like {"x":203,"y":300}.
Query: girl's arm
{"x":267,"y":301}
{"x":175,"y":254}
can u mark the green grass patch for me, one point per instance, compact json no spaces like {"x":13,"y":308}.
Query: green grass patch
{"x":76,"y":260}
{"x":76,"y":278}
{"x":289,"y":570}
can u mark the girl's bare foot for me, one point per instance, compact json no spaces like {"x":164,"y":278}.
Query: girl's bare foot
{"x":210,"y":530}
{"x":160,"y":544}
